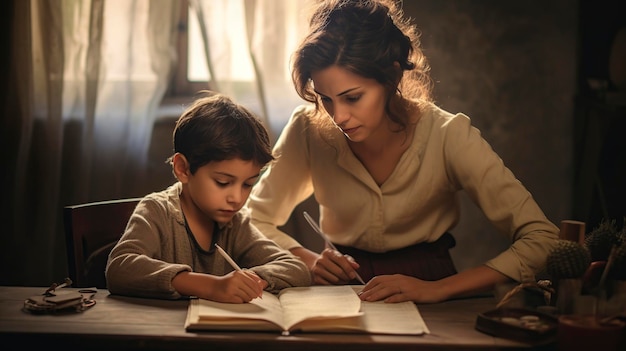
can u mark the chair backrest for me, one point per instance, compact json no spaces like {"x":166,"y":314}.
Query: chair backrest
{"x":91,"y":231}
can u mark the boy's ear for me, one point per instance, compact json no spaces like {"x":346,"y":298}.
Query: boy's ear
{"x":181,"y":167}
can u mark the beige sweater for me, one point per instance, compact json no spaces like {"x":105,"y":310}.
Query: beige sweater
{"x":155,"y":247}
{"x":417,"y":203}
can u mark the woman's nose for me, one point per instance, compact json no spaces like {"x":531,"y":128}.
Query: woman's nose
{"x":340,"y":115}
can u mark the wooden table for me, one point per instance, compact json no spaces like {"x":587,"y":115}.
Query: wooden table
{"x":123,"y":323}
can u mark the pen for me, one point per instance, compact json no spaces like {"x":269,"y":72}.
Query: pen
{"x":227,"y":257}
{"x":328,"y":242}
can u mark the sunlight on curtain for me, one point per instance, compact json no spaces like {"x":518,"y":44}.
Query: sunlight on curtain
{"x":229,"y":56}
{"x":126,"y":78}
{"x":91,"y":75}
{"x":87,"y":77}
{"x":247,"y":47}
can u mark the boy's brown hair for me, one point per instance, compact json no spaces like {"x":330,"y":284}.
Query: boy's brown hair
{"x":215,"y":128}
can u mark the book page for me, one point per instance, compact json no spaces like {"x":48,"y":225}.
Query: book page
{"x":377,"y":318}
{"x":392,"y":318}
{"x":318,"y":302}
{"x":266,"y":309}
{"x":314,"y":308}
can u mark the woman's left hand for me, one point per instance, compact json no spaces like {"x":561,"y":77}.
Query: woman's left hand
{"x":399,"y":288}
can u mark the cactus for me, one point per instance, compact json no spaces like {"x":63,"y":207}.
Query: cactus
{"x":567,"y":260}
{"x":601,"y":240}
{"x":618,"y":271}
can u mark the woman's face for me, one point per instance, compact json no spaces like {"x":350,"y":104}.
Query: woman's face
{"x":355,"y":104}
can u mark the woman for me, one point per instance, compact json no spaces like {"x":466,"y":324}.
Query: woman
{"x":386,"y":166}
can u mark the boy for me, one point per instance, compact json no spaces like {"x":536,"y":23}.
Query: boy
{"x":168,"y":248}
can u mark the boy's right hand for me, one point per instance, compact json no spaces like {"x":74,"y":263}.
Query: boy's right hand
{"x":234,"y":287}
{"x":237,"y":287}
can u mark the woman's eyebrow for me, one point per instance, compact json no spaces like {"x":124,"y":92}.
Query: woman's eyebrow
{"x":342,"y":93}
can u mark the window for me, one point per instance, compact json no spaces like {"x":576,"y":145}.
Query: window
{"x":191,"y":71}
{"x":180,"y":84}
{"x":197,"y":69}
{"x":275,"y":28}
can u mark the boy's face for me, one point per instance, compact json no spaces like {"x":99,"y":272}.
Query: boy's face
{"x":221,"y":188}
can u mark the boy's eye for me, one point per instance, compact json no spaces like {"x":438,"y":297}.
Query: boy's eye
{"x":221,"y":183}
{"x":247,"y":185}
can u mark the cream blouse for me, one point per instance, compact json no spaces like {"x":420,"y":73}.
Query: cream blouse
{"x":417,"y":203}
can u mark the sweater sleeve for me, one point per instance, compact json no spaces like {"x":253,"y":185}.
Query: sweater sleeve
{"x":475,"y":167}
{"x":277,"y":266}
{"x":136,"y":266}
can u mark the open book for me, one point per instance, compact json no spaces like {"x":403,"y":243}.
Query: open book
{"x":308,"y":309}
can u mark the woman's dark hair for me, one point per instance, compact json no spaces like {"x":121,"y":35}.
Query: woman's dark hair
{"x":214,"y":128}
{"x":372,"y":39}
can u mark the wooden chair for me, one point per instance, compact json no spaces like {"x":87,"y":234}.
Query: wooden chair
{"x":91,"y":231}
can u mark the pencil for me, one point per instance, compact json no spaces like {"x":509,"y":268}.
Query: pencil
{"x":328,"y":242}
{"x":227,"y":257}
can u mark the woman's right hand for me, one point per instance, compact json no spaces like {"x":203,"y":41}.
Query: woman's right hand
{"x":334,"y":268}
{"x":328,"y":268}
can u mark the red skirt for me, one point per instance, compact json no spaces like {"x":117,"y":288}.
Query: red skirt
{"x":426,"y":261}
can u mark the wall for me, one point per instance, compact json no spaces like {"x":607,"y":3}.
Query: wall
{"x":600,"y":119}
{"x":511,"y":67}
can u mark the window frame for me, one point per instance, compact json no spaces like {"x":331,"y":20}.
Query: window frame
{"x":179,"y":85}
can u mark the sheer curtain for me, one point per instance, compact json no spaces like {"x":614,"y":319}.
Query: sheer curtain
{"x":260,"y":77}
{"x":86,"y":77}
{"x":252,"y":64}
